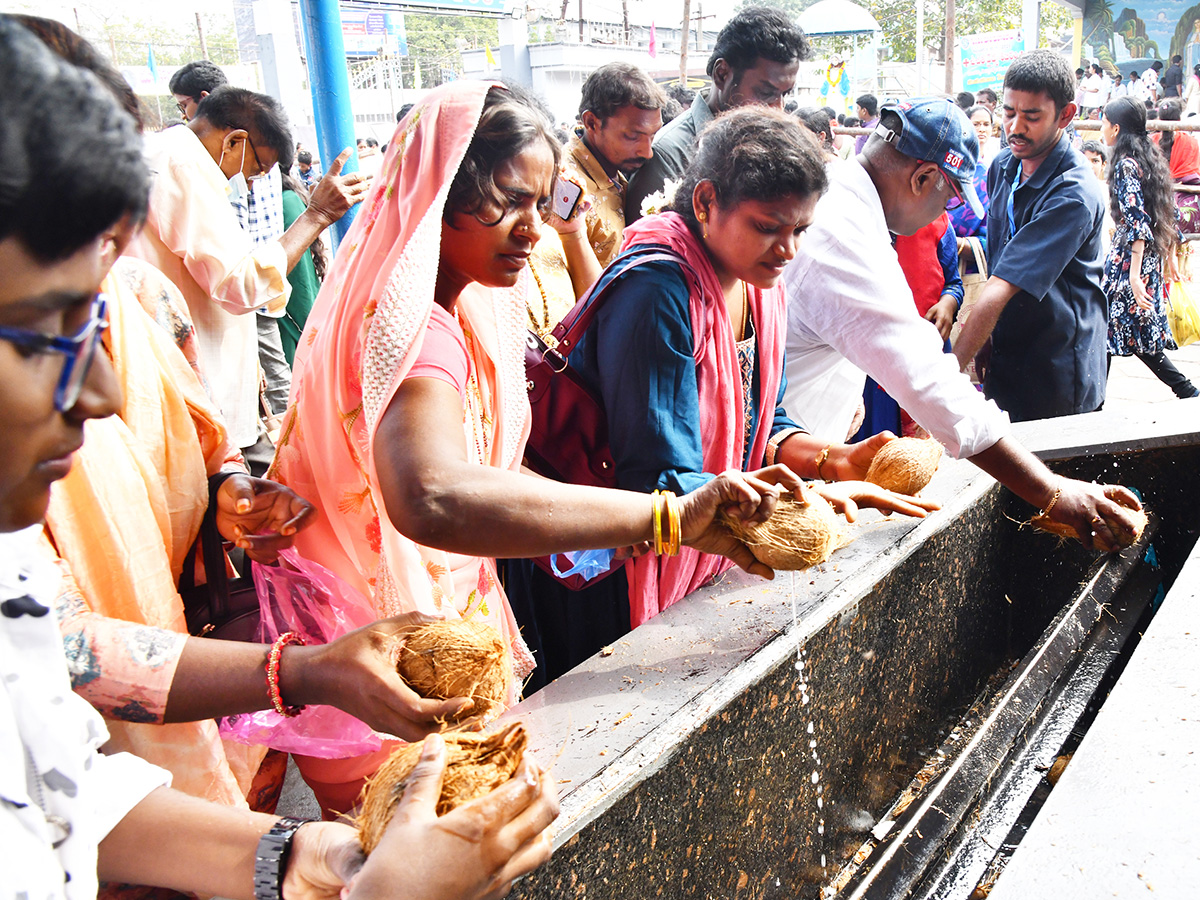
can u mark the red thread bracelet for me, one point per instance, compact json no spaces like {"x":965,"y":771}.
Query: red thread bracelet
{"x":273,"y":657}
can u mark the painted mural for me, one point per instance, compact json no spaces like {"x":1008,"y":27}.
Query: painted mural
{"x":1124,"y":36}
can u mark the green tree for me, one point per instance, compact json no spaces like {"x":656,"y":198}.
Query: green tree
{"x":898,"y":19}
{"x":436,"y":43}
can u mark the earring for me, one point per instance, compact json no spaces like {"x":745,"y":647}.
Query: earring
{"x":704,"y":222}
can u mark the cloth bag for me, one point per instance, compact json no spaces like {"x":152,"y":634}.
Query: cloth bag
{"x":973,"y":283}
{"x":299,"y":595}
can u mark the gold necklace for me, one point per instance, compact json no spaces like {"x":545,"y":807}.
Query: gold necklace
{"x":544,"y":328}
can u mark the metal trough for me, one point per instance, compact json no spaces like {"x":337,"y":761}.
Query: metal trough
{"x":696,"y":761}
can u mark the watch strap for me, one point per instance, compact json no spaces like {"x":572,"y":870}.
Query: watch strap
{"x":271,"y":858}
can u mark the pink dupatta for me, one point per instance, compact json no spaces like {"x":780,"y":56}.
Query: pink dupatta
{"x":657,"y":582}
{"x":362,"y":337}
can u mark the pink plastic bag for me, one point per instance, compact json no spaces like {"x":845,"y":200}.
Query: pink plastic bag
{"x":302,"y":596}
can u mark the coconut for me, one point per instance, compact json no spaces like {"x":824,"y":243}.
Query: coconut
{"x":905,"y":465}
{"x":458,"y":658}
{"x":802,"y":532}
{"x":476,"y":764}
{"x":1125,"y":537}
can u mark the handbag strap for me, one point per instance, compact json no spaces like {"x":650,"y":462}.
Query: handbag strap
{"x":214,"y":557}
{"x":568,"y":332}
{"x":980,"y":259}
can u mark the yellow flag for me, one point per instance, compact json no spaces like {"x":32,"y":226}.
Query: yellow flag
{"x":487,"y":52}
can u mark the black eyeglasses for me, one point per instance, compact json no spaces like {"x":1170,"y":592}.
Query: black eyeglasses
{"x":79,"y":349}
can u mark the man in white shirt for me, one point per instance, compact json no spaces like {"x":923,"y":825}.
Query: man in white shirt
{"x":1092,"y":92}
{"x":1150,"y":81}
{"x":192,"y":234}
{"x":850,"y":306}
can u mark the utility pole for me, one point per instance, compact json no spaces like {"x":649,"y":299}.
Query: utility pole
{"x":625,"y":19}
{"x":920,"y":48}
{"x":203,"y":42}
{"x":949,"y":46}
{"x":581,"y":21}
{"x":683,"y":41}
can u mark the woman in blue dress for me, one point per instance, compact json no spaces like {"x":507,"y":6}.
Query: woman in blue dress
{"x":1139,"y":187}
{"x":686,"y":354}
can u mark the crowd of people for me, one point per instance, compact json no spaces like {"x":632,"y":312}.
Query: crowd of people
{"x":370,"y":412}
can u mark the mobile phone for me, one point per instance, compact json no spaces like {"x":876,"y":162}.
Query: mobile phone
{"x":566,"y":197}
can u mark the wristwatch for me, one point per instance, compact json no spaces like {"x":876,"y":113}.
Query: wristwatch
{"x":271,"y":858}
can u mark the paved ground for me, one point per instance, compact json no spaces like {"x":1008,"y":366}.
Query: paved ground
{"x":1130,"y":384}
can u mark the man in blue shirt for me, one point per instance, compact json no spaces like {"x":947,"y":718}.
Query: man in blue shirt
{"x":1042,"y":306}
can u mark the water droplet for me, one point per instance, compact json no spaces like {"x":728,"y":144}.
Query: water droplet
{"x":816,"y":776}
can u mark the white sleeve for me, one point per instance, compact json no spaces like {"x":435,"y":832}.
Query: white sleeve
{"x":119,"y":783}
{"x":859,"y":303}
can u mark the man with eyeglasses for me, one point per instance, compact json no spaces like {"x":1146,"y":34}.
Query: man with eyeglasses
{"x":851,"y":311}
{"x":194,"y":236}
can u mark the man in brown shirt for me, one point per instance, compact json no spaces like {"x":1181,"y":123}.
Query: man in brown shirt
{"x":619,"y":113}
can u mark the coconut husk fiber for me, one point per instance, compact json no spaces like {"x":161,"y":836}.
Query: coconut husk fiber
{"x":476,"y":764}
{"x":803,"y":531}
{"x":458,"y":658}
{"x":905,"y":465}
{"x":1045,"y":523}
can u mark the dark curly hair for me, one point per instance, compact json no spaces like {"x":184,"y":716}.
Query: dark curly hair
{"x":512,"y":119}
{"x":752,"y":153}
{"x":1042,"y":72}
{"x":72,"y":157}
{"x":1134,"y":143}
{"x":616,"y":85}
{"x":759,"y":32}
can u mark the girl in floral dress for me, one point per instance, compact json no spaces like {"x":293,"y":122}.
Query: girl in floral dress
{"x":1139,"y":188}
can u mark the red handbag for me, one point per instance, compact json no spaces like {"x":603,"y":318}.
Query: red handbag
{"x":568,"y":439}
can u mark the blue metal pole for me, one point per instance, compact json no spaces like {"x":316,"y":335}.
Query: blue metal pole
{"x":329,"y":80}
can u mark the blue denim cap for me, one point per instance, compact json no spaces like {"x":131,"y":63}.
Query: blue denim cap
{"x":936,"y":130}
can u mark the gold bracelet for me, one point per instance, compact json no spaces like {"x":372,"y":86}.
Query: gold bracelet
{"x":1053,"y":500}
{"x":656,"y":514}
{"x":821,"y":457}
{"x":673,"y":527}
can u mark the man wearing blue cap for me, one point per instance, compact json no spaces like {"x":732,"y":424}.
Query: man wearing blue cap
{"x":850,"y":311}
{"x":1042,"y":306}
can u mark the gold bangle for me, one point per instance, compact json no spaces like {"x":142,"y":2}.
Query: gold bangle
{"x":1053,"y":500}
{"x":673,"y":527}
{"x":657,"y":515}
{"x":821,"y":457}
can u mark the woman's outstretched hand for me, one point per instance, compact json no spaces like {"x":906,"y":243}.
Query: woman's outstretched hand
{"x":749,"y":497}
{"x":847,"y":496}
